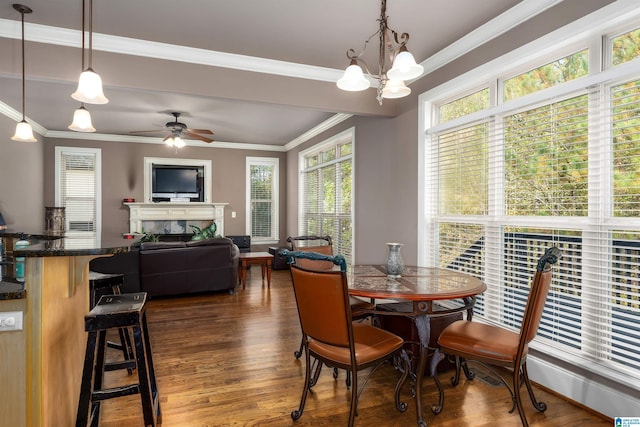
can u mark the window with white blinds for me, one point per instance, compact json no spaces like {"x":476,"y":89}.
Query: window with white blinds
{"x":262,"y":199}
{"x":78,"y":189}
{"x":553,"y":160}
{"x":326,"y":183}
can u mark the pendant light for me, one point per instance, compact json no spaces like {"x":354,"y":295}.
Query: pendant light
{"x":81,"y":117}
{"x":90,"y":84}
{"x":24,"y":132}
{"x":82,"y":120}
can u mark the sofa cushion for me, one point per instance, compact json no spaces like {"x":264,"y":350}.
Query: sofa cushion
{"x":175,"y":268}
{"x":209,"y":242}
{"x":147,"y":246}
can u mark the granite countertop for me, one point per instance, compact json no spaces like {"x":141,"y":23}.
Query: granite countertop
{"x":74,"y":247}
{"x":28,"y":235}
{"x":46,"y":245}
{"x":12,"y":290}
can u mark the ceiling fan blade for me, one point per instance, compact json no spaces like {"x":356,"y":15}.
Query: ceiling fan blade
{"x":196,"y":136}
{"x":207,"y":131}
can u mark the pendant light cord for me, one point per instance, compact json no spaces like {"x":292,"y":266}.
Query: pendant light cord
{"x":83,"y":31}
{"x":90,"y":30}
{"x":23,"y":68}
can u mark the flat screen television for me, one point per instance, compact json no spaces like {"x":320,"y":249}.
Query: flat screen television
{"x":183,"y":183}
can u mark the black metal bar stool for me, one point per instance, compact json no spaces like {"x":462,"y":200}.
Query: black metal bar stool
{"x":109,"y":284}
{"x":117,"y":311}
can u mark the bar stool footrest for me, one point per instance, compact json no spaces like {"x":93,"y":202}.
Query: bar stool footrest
{"x":110,"y":393}
{"x":115,"y":345}
{"x":130,"y":365}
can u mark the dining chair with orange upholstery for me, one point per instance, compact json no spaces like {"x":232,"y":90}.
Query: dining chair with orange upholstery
{"x":324,"y":245}
{"x":329,"y":334}
{"x":490,"y":345}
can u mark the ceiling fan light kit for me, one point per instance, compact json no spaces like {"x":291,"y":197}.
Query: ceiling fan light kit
{"x":24,"y":132}
{"x":390,"y":81}
{"x":175,"y":142}
{"x":178,"y":132}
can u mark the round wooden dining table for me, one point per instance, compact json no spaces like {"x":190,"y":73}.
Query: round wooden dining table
{"x":423,"y":286}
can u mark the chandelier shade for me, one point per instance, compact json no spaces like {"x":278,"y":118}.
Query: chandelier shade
{"x":24,"y":131}
{"x":395,"y":89}
{"x":82,"y":121}
{"x":353,"y":79}
{"x":404,"y":66}
{"x":390,"y":81}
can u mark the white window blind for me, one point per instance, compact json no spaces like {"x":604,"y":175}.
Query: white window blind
{"x":262,"y":203}
{"x":77,"y":190}
{"x":553,"y":166}
{"x":326,"y":182}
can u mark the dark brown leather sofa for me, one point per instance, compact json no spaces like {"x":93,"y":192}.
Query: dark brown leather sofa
{"x":176,"y":268}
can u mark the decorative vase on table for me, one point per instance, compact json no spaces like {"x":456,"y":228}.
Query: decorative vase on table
{"x":395,"y":263}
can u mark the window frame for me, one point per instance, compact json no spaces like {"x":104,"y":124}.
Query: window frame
{"x":96,"y":235}
{"x":340,"y":139}
{"x":273,"y":162}
{"x":493,"y":74}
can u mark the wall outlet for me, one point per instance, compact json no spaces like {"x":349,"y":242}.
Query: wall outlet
{"x":10,"y":321}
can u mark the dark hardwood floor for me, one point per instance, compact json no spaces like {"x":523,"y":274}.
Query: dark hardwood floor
{"x":227,"y":360}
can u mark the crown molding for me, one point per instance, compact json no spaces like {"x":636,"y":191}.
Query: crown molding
{"x":155,"y":140}
{"x":16,"y":115}
{"x":499,"y":25}
{"x":146,"y":48}
{"x":324,"y":126}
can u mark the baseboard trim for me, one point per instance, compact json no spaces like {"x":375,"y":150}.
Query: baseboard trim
{"x":590,"y":393}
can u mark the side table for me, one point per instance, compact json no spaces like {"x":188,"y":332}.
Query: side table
{"x":265,"y":259}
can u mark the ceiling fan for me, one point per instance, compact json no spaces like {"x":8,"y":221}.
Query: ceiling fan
{"x":177,"y":129}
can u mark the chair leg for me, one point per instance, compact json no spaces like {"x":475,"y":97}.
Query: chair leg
{"x":455,"y":379}
{"x":539,"y":405}
{"x":354,"y":397}
{"x":296,"y":414}
{"x":316,"y":372}
{"x":155,"y":401}
{"x":85,"y":386}
{"x":298,"y":353}
{"x":98,"y":377}
{"x":465,"y":367}
{"x":144,"y":379}
{"x":517,"y":375}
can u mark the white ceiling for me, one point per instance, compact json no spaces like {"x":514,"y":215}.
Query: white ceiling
{"x":258,"y":72}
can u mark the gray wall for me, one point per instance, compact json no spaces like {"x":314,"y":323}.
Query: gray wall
{"x":386,"y":161}
{"x":385,"y":184}
{"x":122,"y":176}
{"x":21,"y":184}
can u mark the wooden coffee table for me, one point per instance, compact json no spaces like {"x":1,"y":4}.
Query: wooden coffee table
{"x":265,"y":259}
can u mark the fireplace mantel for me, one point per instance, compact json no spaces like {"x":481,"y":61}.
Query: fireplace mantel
{"x":174,"y":211}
